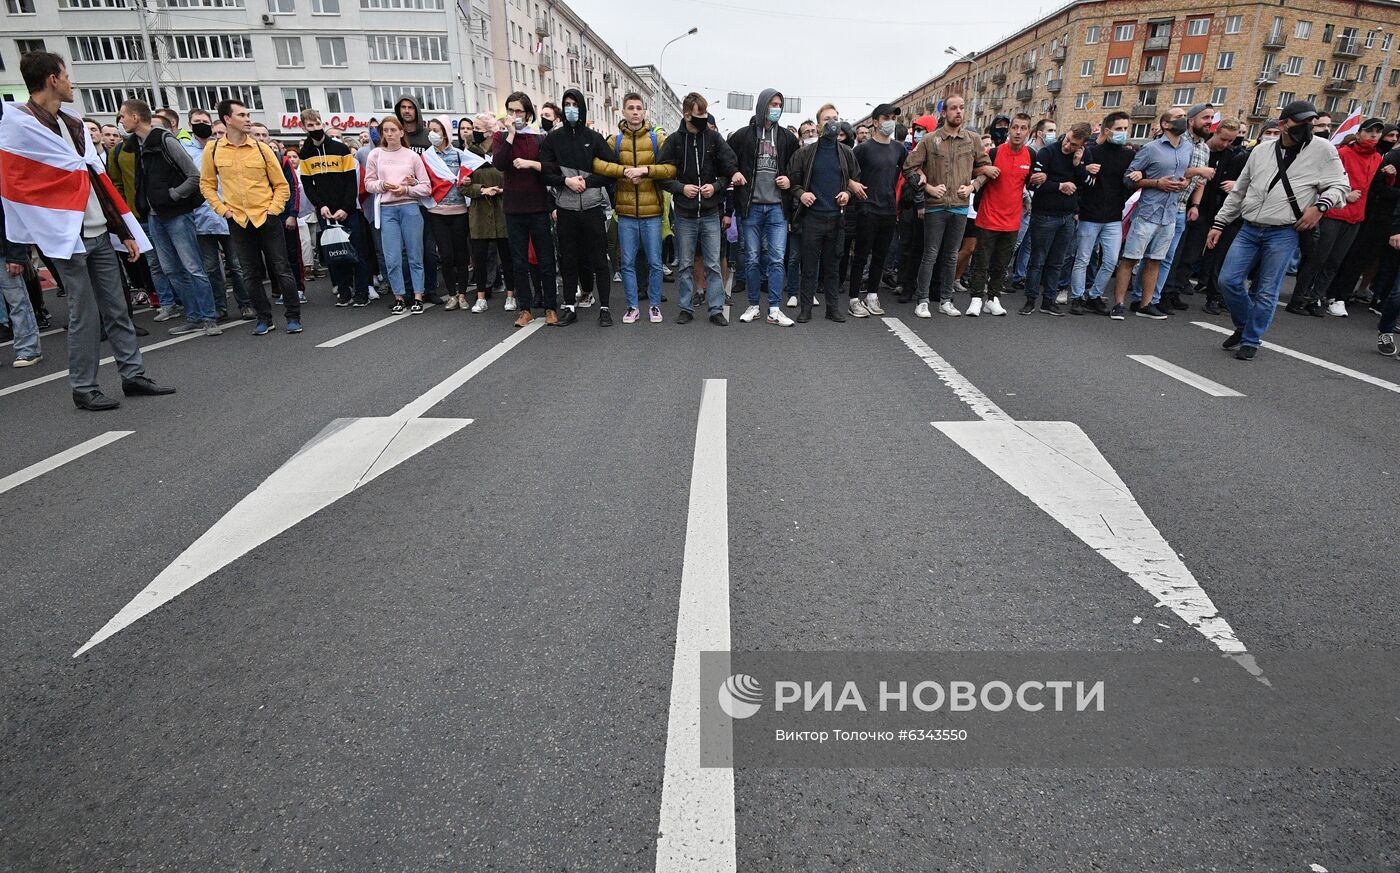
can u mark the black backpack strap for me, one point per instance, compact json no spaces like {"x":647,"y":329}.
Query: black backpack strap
{"x":1282,"y":178}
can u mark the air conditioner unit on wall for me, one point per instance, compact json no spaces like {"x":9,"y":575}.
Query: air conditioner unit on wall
{"x":268,"y":19}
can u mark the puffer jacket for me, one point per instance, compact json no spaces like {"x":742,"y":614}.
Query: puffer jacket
{"x":642,"y":200}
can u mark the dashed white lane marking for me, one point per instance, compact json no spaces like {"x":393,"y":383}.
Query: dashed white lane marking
{"x":1057,"y":466}
{"x":43,"y":333}
{"x":696,"y":830}
{"x":1326,"y":365}
{"x":369,"y":328}
{"x":347,"y":454}
{"x":63,"y":374}
{"x":1181,"y":374}
{"x":34,"y":471}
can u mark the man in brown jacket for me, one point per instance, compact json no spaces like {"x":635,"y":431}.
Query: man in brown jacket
{"x":945,"y":162}
{"x":639,"y":201}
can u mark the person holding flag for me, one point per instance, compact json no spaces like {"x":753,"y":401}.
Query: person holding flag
{"x":399,"y":177}
{"x":448,"y":169}
{"x":57,"y":196}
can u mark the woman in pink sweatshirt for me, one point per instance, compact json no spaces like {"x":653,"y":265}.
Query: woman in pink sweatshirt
{"x":398,"y":176}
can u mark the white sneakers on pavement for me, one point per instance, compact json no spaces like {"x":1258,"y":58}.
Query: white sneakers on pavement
{"x":994,"y":306}
{"x":921,"y":311}
{"x":479,"y":306}
{"x":775,"y":316}
{"x":947,"y":308}
{"x":749,"y":314}
{"x":511,"y":305}
{"x":1338,"y":308}
{"x":858,"y":309}
{"x":974,"y":308}
{"x":872,"y":304}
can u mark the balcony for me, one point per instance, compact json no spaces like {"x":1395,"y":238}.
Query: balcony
{"x":1268,"y":77}
{"x":995,"y":104}
{"x":1028,"y":65}
{"x":1055,"y":85}
{"x":1338,"y":86}
{"x":1150,"y":77}
{"x":1274,"y":41}
{"x":1144,"y":110}
{"x":1058,"y":54}
{"x":1347,"y":48}
{"x":572,"y":51}
{"x":1157,"y":43}
{"x":545,"y":64}
{"x":981,"y":87}
{"x":998,"y":78}
{"x":1024,"y":95}
{"x":542,"y":26}
{"x":1257,"y":114}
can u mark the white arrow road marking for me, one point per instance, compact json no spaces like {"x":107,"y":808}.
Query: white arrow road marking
{"x":1181,"y":374}
{"x":346,"y":455}
{"x":34,"y":471}
{"x":697,"y":804}
{"x":1059,"y":468}
{"x":1326,"y":365}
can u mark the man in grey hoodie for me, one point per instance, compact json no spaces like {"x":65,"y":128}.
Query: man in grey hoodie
{"x":763,"y":201}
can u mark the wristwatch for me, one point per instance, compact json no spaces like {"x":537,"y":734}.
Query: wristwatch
{"x":1322,"y":206}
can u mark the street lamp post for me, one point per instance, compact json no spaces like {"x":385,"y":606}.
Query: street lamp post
{"x":660,"y":60}
{"x":1380,"y":80}
{"x":969,"y":57}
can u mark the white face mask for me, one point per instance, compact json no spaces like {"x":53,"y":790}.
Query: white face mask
{"x":434,"y":137}
{"x":887,"y":128}
{"x":809,"y":140}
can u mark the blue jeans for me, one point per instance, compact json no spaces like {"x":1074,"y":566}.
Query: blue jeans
{"x":1022,"y":261}
{"x":765,"y":229}
{"x":21,"y":316}
{"x":1049,"y":237}
{"x":704,"y":232}
{"x":165,"y":292}
{"x":1165,"y":269}
{"x":401,"y":228}
{"x":1271,"y":249}
{"x":182,"y":262}
{"x":645,"y":233}
{"x":1092,"y":234}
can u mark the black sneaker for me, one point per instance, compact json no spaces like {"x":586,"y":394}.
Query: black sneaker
{"x":1150,"y":311}
{"x":1232,"y":340}
{"x":1316,"y":309}
{"x":1295,"y":307}
{"x":567,"y":316}
{"x":604,"y":317}
{"x":1076,"y":307}
{"x":398,"y":307}
{"x":1099,"y":306}
{"x":416,"y":307}
{"x":1029,"y":308}
{"x":719,"y":320}
{"x":685,"y":316}
{"x":833,"y":314}
{"x":1177,"y":303}
{"x":1246,"y":353}
{"x":1050,"y":307}
{"x":1386,"y":344}
{"x":1212,"y":307}
{"x":1019,"y":285}
{"x":1118,"y":312}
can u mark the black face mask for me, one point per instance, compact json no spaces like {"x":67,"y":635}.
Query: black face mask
{"x":546,"y":124}
{"x":202,"y":129}
{"x":478,"y":137}
{"x":699,"y":122}
{"x":999,"y":135}
{"x":317,"y":135}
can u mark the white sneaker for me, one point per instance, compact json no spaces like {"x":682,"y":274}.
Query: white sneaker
{"x":1338,"y":308}
{"x":749,"y":314}
{"x":994,"y":306}
{"x":479,"y":306}
{"x":617,"y":277}
{"x":373,"y":294}
{"x":858,"y":309}
{"x":451,"y":304}
{"x":974,"y":308}
{"x":947,"y":308}
{"x":775,"y":316}
{"x":1062,"y":298}
{"x":585,"y":301}
{"x":511,"y":305}
{"x":872,"y":304}
{"x":959,"y":286}
{"x":921,"y":311}
{"x":792,"y":301}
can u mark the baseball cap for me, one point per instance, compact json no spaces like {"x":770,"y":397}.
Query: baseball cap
{"x":884,"y":109}
{"x":1197,"y":110}
{"x":1298,"y":110}
{"x":1372,"y":122}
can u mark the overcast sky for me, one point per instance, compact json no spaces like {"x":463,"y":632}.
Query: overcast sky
{"x":848,"y":52}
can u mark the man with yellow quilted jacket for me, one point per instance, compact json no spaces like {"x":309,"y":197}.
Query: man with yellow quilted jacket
{"x":639,"y":205}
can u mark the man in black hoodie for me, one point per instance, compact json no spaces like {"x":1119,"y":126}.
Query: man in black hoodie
{"x":763,"y":200}
{"x":331,"y":182}
{"x":580,"y":197}
{"x":705,"y":166}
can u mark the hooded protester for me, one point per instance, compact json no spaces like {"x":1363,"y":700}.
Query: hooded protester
{"x":763,"y":200}
{"x":415,"y":128}
{"x":580,"y":196}
{"x":527,"y":203}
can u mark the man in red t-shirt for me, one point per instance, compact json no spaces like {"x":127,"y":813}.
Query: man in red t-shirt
{"x":999,"y":207}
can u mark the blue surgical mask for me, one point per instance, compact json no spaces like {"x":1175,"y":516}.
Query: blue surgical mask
{"x":775,"y":113}
{"x":571,"y":114}
{"x":918,"y":135}
{"x":1119,"y":137}
{"x":374,"y":135}
{"x":1050,"y":138}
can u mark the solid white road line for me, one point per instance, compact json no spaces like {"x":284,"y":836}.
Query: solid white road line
{"x":968,"y":393}
{"x":696,"y":830}
{"x":1214,"y":389}
{"x":62,"y":374}
{"x":42,"y":334}
{"x":1326,"y":365}
{"x":347,"y":454}
{"x":34,"y":471}
{"x":369,"y":328}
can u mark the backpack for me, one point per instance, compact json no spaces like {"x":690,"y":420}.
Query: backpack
{"x":655,"y":149}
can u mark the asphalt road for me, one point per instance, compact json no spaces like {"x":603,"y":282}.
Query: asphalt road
{"x":466,"y":663}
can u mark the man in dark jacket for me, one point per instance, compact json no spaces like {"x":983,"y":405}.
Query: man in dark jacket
{"x":705,"y":166}
{"x":1101,"y":213}
{"x":823,"y":175}
{"x":580,"y":197}
{"x":763,"y":200}
{"x":331,"y":183}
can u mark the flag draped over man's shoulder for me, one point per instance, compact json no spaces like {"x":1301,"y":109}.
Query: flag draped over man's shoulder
{"x":45,"y":184}
{"x":441,"y":177}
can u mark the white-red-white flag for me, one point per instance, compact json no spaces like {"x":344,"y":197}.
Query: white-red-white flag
{"x":1351,"y":125}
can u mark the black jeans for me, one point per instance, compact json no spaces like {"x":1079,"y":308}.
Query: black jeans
{"x":251,"y":245}
{"x":911,"y":248}
{"x":1365,"y":252}
{"x":452,"y":238}
{"x":351,"y":280}
{"x":1332,"y":241}
{"x":583,"y":253}
{"x":990,"y":261}
{"x":525,"y":228}
{"x":481,"y":263}
{"x":822,"y":237}
{"x":873,"y":235}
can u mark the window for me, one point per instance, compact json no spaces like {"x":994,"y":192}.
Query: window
{"x":1341,"y":70}
{"x":1226,"y":61}
{"x":29,"y":45}
{"x":1081,"y":100}
{"x":1361,"y":70}
{"x":1320,"y":69}
{"x":1155,"y":63}
{"x":1259,"y":100}
{"x":1086,"y":69}
{"x":340,"y":100}
{"x":209,"y":47}
{"x":1270,"y":65}
{"x":106,"y":101}
{"x":1331,"y":105}
{"x":83,"y":49}
{"x":1184,"y":97}
{"x":1123,"y":32}
{"x":1117,"y":67}
{"x":288,"y":51}
{"x":1294,"y":66}
{"x":281,"y":7}
{"x":1352,"y":106}
{"x":91,"y":4}
{"x":1233,"y":23}
{"x":203,"y":96}
{"x":1191,"y":63}
{"x":413,"y":5}
{"x":332,"y":50}
{"x":1302,"y":30}
{"x":1386,"y":41}
{"x":1370,"y":39}
{"x":202,"y":4}
{"x":1112,"y":99}
{"x":1385,"y":109}
{"x":1198,"y":27}
{"x":325,"y":7}
{"x":1394,"y":78}
{"x":1161,"y":29}
{"x":408,"y":48}
{"x":1141,"y":130}
{"x":431,"y":98}
{"x":1327,"y":31}
{"x":1285,"y":98}
{"x":1147,"y":96}
{"x":20,"y":7}
{"x":295,"y":100}
{"x":1217,"y":96}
